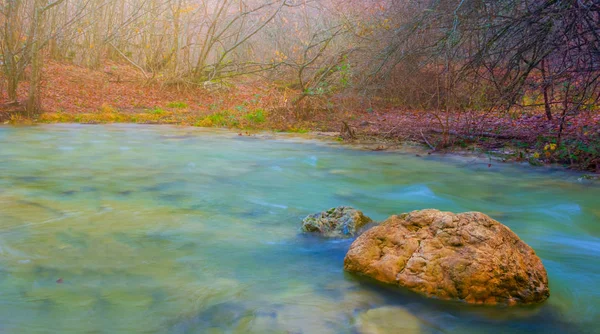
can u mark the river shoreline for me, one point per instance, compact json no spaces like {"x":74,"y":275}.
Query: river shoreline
{"x":379,"y":143}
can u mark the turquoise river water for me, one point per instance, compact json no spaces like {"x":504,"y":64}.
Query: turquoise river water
{"x":159,"y":229}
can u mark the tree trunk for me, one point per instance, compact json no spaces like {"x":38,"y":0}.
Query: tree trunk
{"x":175,"y":58}
{"x":13,"y":84}
{"x":33,"y":106}
{"x":547,"y":104}
{"x":9,"y":45}
{"x":34,"y":103}
{"x":546,"y":87}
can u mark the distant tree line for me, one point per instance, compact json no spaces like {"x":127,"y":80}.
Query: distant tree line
{"x":446,"y":55}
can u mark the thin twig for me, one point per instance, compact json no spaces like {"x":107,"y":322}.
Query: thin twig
{"x":129,"y":60}
{"x":426,"y":141}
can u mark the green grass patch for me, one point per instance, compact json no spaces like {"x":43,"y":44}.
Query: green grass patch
{"x":219,"y":119}
{"x":298,"y":130}
{"x":157,"y":111}
{"x":257,"y":116}
{"x":177,"y":105}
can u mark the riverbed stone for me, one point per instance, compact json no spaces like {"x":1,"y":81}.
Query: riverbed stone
{"x":343,"y":221}
{"x":468,"y":257}
{"x":387,"y":319}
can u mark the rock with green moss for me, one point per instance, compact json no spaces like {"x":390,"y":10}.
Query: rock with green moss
{"x":343,"y":221}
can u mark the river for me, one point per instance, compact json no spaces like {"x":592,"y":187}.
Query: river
{"x":161,"y":229}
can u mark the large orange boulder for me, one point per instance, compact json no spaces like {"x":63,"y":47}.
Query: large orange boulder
{"x":467,"y":256}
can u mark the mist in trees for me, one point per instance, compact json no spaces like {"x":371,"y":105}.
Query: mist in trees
{"x":431,"y":54}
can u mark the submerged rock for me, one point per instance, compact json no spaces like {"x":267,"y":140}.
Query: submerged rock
{"x":343,"y":221}
{"x":387,"y":319}
{"x":468,"y":257}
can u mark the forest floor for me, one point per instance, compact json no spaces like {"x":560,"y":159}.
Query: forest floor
{"x":119,"y":93}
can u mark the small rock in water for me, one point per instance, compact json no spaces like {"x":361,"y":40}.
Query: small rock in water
{"x":343,"y":221}
{"x":388,"y":319}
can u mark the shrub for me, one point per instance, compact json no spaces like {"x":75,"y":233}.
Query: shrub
{"x":258,"y":116}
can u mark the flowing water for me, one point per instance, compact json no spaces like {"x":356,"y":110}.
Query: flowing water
{"x":158,"y":229}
